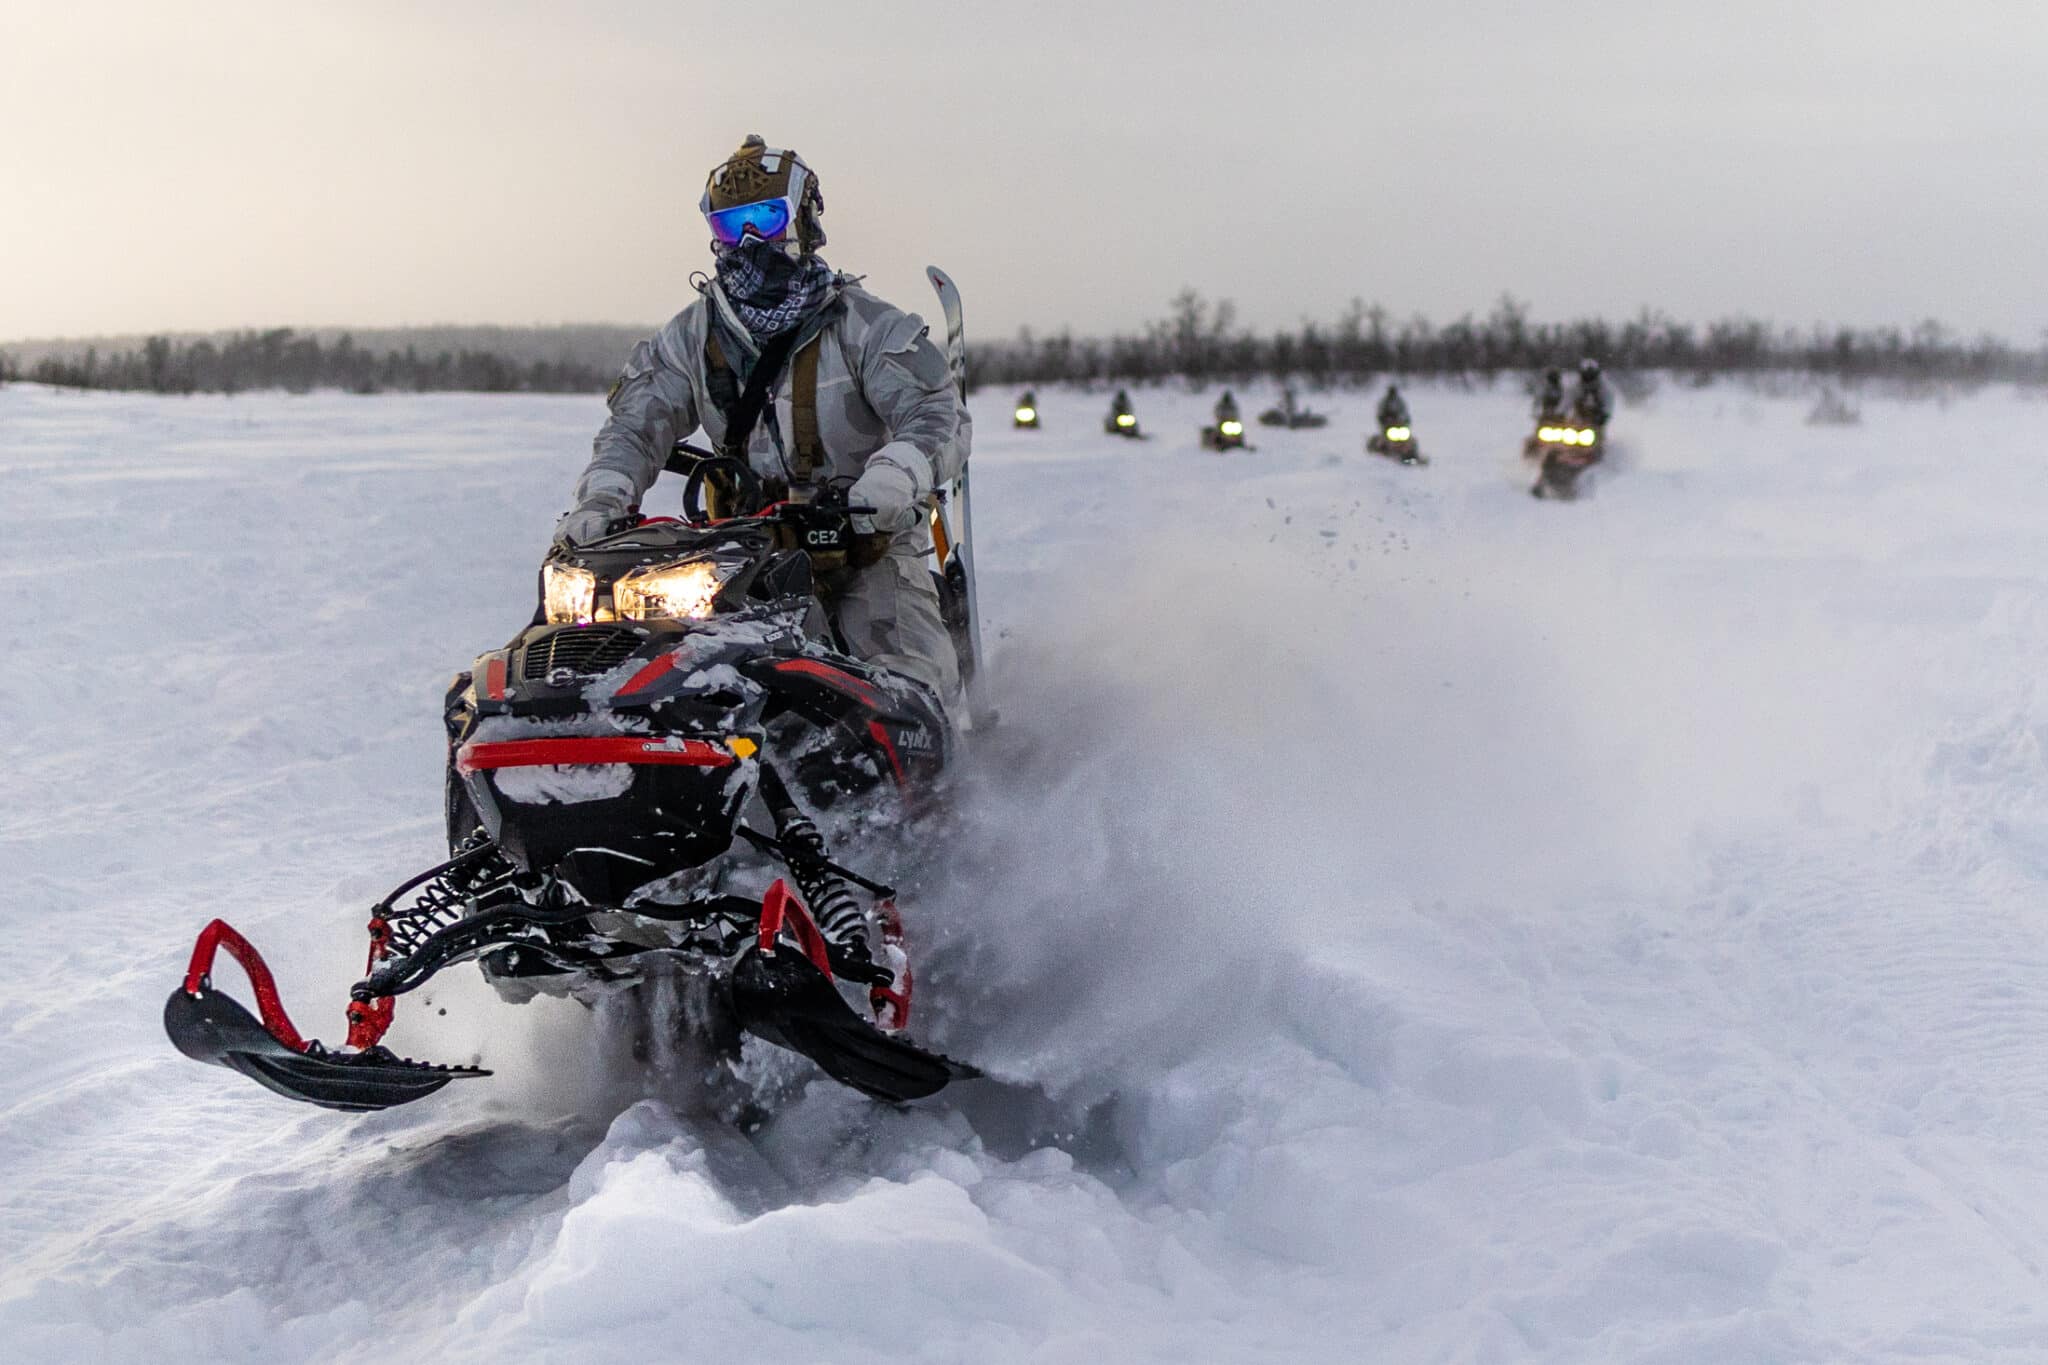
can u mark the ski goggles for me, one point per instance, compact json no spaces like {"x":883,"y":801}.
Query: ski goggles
{"x":767,"y":219}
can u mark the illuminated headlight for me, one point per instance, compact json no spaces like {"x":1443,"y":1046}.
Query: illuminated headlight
{"x":1398,"y":433}
{"x":1027,"y":414}
{"x":568,"y":593}
{"x":670,"y":592}
{"x":1586,"y":436}
{"x":1231,"y":428}
{"x":1548,"y":434}
{"x":1124,"y":419}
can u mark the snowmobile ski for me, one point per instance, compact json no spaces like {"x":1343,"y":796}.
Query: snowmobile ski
{"x":978,"y":709}
{"x":209,"y":1026}
{"x":786,"y":999}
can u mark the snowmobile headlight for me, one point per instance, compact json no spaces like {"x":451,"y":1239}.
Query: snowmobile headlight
{"x":1546,"y":433}
{"x":568,"y":592}
{"x":1231,"y":428}
{"x":1027,"y":414}
{"x":671,"y":592}
{"x":1398,"y":433}
{"x":1125,"y":419}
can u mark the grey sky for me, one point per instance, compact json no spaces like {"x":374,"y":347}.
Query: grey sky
{"x":220,"y":163}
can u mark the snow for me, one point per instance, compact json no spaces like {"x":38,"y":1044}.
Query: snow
{"x":1407,"y":921}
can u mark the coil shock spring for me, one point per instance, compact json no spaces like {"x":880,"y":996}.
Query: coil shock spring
{"x":834,"y":907}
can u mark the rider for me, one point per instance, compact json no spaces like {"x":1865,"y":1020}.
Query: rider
{"x":1394,"y":409}
{"x":1550,"y":398}
{"x":1226,"y":409}
{"x":872,"y":405}
{"x":1593,"y":404}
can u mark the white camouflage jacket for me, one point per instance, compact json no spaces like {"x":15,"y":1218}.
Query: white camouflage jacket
{"x":884,"y":392}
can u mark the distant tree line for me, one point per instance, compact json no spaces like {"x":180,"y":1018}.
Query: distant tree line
{"x":282,"y":358}
{"x":1198,"y":341}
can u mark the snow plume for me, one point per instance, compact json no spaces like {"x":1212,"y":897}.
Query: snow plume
{"x":1404,"y":920}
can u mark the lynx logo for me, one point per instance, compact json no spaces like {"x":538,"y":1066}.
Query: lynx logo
{"x":918,"y":739}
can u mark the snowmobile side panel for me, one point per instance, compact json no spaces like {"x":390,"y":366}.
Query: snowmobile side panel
{"x":783,"y":998}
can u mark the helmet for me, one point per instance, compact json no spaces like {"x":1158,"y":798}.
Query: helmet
{"x":1393,"y":390}
{"x":1553,"y":375}
{"x":1589,"y":369}
{"x":766,"y":193}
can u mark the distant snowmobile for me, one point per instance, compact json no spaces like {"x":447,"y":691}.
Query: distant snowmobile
{"x":1833,"y":410}
{"x":1121,"y":420}
{"x":1290,"y":416}
{"x":1027,"y":410}
{"x":1228,"y":432}
{"x":1396,"y":443}
{"x":1563,"y":452}
{"x":604,"y":773}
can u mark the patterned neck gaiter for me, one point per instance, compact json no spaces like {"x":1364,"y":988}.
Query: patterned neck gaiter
{"x":771,"y":292}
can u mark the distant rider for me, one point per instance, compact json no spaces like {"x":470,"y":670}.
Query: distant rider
{"x":1393,"y":410}
{"x":1226,"y":409}
{"x":1550,"y":398}
{"x":1593,"y":404}
{"x":883,"y":415}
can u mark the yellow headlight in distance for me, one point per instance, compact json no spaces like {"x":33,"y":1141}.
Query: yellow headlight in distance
{"x":670,"y":592}
{"x":1398,"y":433}
{"x":1586,"y":436}
{"x":568,"y":593}
{"x":1232,"y":428}
{"x":1027,"y":414}
{"x":1125,"y":419}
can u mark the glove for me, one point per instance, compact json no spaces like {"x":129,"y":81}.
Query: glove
{"x":605,"y":497}
{"x":587,"y":521}
{"x":895,"y":484}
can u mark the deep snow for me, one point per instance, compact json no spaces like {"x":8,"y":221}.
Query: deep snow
{"x":1416,"y":922}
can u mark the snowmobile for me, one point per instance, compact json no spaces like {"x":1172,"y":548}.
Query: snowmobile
{"x":1396,"y":443}
{"x":1292,"y":417}
{"x":1833,"y":410}
{"x":1027,"y":411}
{"x":1121,"y":421}
{"x":1227,"y":434}
{"x":608,"y":774}
{"x":1564,"y":450}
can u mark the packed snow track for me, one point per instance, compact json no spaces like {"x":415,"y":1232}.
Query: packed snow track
{"x":1405,"y":920}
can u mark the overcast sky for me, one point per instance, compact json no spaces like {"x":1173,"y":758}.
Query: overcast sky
{"x":213,"y":163}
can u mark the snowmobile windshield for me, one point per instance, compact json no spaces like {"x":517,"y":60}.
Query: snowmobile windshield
{"x":766,"y":219}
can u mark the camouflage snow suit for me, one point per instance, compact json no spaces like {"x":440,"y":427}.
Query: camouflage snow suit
{"x":884,"y":392}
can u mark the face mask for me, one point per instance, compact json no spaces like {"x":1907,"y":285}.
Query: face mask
{"x":771,"y":291}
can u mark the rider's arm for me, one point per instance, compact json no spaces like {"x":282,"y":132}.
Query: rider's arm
{"x":651,"y":405}
{"x":906,"y":380}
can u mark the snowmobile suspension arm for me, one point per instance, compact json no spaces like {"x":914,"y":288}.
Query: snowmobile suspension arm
{"x":769,"y":844}
{"x":465,"y":938}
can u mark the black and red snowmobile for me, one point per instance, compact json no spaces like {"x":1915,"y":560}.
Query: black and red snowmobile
{"x":634,"y":785}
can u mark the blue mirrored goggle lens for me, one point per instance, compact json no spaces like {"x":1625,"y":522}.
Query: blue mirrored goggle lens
{"x":768,"y":220}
